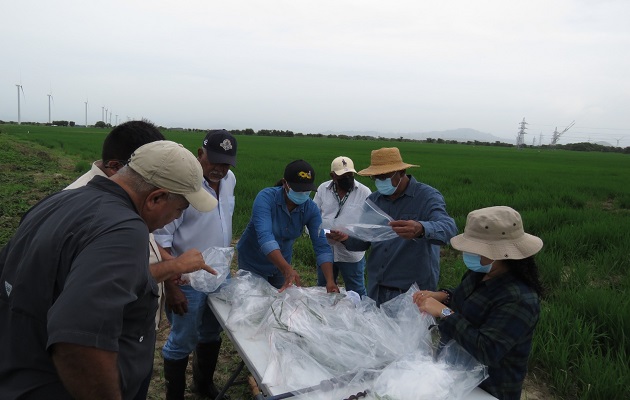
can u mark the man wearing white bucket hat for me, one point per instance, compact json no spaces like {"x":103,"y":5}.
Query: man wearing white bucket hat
{"x":494,"y":311}
{"x":420,"y":220}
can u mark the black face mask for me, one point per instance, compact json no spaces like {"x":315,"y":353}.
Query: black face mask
{"x":345,"y":183}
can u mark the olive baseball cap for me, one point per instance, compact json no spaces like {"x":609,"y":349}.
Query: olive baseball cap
{"x":169,"y":165}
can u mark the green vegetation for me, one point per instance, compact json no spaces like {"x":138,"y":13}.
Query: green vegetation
{"x":577,"y":202}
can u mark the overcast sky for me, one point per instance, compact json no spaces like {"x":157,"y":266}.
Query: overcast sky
{"x":314,"y":66}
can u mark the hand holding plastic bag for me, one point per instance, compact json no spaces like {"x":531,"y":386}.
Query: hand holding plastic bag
{"x":366,"y":222}
{"x":220,"y":259}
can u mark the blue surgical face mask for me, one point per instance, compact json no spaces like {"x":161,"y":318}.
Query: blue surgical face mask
{"x":298,"y":197}
{"x":473,"y":262}
{"x":385,"y":187}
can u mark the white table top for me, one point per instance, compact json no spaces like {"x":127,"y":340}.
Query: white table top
{"x":255,"y":355}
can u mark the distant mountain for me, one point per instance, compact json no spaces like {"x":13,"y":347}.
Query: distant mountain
{"x":460,"y":135}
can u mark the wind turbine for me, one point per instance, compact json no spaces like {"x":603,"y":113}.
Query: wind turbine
{"x":103,"y":113}
{"x":619,"y":140}
{"x":19,"y":87}
{"x":50,"y":96}
{"x":86,"y":106}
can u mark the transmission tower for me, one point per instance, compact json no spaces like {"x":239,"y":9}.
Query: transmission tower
{"x":520,"y":139}
{"x":540,"y":139}
{"x":556,"y":134}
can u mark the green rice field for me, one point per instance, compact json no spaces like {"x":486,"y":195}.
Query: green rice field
{"x":577,"y":202}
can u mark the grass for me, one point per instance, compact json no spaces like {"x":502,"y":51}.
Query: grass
{"x":578,"y":203}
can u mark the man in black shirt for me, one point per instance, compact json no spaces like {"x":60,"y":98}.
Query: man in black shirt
{"x":77,"y":302}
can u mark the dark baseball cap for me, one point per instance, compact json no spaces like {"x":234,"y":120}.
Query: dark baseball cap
{"x":220,"y":146}
{"x":300,"y":176}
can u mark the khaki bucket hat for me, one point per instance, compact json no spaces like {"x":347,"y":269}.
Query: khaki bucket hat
{"x":497,"y":233}
{"x":385,"y":160}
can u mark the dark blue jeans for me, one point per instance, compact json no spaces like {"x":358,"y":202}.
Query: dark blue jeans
{"x":353,"y":275}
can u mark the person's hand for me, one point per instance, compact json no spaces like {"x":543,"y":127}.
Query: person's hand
{"x":290,"y":278}
{"x":427,"y":303}
{"x":408,"y":229}
{"x":175,"y":299}
{"x":191,"y":261}
{"x":337,"y":236}
{"x":331,"y":287}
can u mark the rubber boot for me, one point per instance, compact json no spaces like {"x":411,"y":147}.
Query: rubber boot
{"x":205,"y":359}
{"x":175,"y":378}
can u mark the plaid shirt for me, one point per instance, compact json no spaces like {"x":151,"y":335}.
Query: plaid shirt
{"x":494,"y":321}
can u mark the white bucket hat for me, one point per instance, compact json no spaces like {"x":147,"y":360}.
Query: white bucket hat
{"x":497,"y":233}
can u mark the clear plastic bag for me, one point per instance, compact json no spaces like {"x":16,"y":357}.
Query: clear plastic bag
{"x":220,"y":259}
{"x":324,"y":343}
{"x":366,"y":222}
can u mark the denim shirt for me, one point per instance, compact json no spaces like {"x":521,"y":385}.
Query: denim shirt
{"x":273,"y":227}
{"x":398,"y":263}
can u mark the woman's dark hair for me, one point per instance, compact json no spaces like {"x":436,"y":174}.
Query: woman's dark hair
{"x":526,"y":271}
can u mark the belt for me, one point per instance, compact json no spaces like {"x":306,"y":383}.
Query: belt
{"x":392,"y":289}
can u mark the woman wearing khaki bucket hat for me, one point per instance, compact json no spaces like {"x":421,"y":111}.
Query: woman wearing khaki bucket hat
{"x":494,"y":311}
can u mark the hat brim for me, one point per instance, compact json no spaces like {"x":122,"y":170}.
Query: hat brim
{"x":526,"y":246}
{"x":217,"y":158}
{"x":343,"y":171}
{"x":384,"y":169}
{"x":201,"y":200}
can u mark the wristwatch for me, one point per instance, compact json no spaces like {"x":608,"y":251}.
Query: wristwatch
{"x":446,"y":312}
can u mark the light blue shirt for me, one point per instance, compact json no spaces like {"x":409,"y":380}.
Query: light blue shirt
{"x":273,"y":227}
{"x":201,"y":230}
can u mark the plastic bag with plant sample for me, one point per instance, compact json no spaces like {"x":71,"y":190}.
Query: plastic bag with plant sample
{"x":220,"y":259}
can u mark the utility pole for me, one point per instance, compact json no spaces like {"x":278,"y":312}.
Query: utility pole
{"x":520,"y":139}
{"x":556,"y":134}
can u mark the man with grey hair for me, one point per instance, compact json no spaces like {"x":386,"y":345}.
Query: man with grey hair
{"x":77,"y":302}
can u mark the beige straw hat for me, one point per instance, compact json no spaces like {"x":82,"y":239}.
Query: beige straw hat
{"x":385,"y":160}
{"x":497,"y":233}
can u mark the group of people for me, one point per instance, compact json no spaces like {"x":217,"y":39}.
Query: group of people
{"x":109,"y":254}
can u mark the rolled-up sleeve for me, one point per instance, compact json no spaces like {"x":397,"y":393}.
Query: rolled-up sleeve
{"x":262,"y":218}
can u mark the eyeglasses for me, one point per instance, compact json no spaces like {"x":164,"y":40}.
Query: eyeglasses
{"x":382,"y":177}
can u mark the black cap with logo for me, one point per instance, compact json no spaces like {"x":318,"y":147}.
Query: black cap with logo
{"x":220,"y":146}
{"x":300,"y":176}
